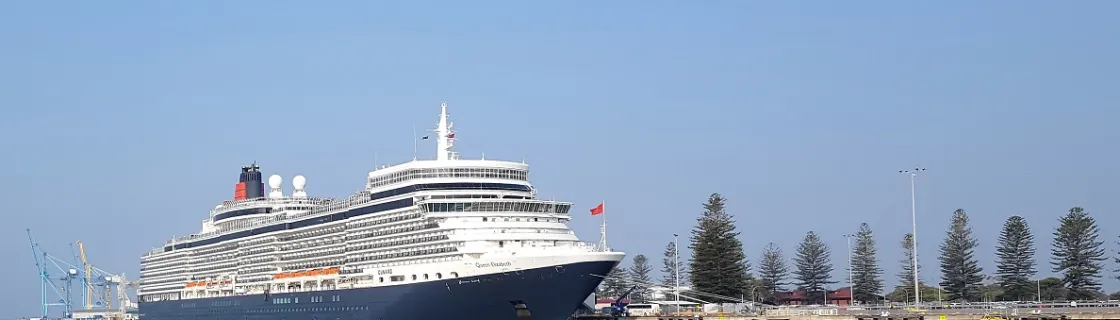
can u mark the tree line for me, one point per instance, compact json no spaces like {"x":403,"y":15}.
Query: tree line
{"x":719,"y":267}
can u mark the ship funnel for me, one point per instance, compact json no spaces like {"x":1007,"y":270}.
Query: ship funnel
{"x":250,"y":185}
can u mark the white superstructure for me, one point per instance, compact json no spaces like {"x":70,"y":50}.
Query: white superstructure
{"x":419,"y":221}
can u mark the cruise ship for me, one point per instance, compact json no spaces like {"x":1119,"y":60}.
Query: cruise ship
{"x":442,"y":239}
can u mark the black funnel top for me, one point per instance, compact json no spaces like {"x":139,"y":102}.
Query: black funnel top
{"x":254,"y":185}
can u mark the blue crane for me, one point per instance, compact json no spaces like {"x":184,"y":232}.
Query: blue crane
{"x":617,"y":308}
{"x":60,"y":287}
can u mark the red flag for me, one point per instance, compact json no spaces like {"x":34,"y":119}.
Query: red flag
{"x":597,"y":210}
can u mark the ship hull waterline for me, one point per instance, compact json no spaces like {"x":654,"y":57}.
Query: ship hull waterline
{"x":549,"y":293}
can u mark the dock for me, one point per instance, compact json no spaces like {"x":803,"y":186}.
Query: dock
{"x":1005,"y":311}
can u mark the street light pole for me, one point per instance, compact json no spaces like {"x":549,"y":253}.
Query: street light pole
{"x":676,"y":272}
{"x":1038,"y":286}
{"x":914,"y":224}
{"x":851,"y":280}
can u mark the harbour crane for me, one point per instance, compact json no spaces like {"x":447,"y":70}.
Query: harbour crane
{"x":99,"y":284}
{"x":60,"y":287}
{"x":96,"y":286}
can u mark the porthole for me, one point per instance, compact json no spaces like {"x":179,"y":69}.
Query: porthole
{"x":414,"y":277}
{"x":439,"y":275}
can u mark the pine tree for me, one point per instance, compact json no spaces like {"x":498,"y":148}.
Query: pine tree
{"x":814,"y":267}
{"x":717,"y":254}
{"x":772,"y":270}
{"x":906,"y":276}
{"x":1016,"y":264}
{"x":639,"y":276}
{"x":672,"y":265}
{"x":614,"y":284}
{"x":1078,"y":255}
{"x":867,"y":277}
{"x":961,"y":275}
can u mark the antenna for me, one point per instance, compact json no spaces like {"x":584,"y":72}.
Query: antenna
{"x":414,"y":141}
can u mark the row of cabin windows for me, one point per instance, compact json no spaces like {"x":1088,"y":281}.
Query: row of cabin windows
{"x":393,"y":218}
{"x":386,"y":232}
{"x":283,"y":310}
{"x":313,"y":253}
{"x":172,"y":265}
{"x":257,"y":241}
{"x":383,"y":244}
{"x":313,"y":265}
{"x":256,"y":251}
{"x":484,"y":219}
{"x":312,"y":233}
{"x":402,"y":254}
{"x":162,"y":258}
{"x":216,"y":267}
{"x":414,"y":278}
{"x":309,"y":244}
{"x":207,"y":251}
{"x":255,"y":270}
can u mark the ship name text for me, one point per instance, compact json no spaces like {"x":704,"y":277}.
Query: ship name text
{"x":493,"y":264}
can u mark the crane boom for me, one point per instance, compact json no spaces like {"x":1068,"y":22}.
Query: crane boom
{"x":89,"y":277}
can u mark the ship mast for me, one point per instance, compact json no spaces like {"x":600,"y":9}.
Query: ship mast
{"x":445,"y":138}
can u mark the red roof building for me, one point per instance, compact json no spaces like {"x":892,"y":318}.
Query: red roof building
{"x":842,"y":296}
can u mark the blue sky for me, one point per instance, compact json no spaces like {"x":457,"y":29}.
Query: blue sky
{"x":127,"y":122}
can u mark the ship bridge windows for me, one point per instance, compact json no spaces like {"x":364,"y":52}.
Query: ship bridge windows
{"x":464,"y":196}
{"x":431,"y":173}
{"x":450,"y":186}
{"x":498,"y":206}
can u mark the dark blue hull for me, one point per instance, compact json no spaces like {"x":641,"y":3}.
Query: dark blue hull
{"x":551,"y":293}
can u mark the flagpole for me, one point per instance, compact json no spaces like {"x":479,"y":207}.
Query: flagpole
{"x":604,"y":240}
{"x":414,"y":141}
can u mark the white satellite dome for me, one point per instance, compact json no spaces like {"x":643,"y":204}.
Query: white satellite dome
{"x":275,"y":181}
{"x":299,"y":182}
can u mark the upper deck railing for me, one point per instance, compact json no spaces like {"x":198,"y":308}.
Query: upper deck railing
{"x":321,"y":206}
{"x":233,"y":205}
